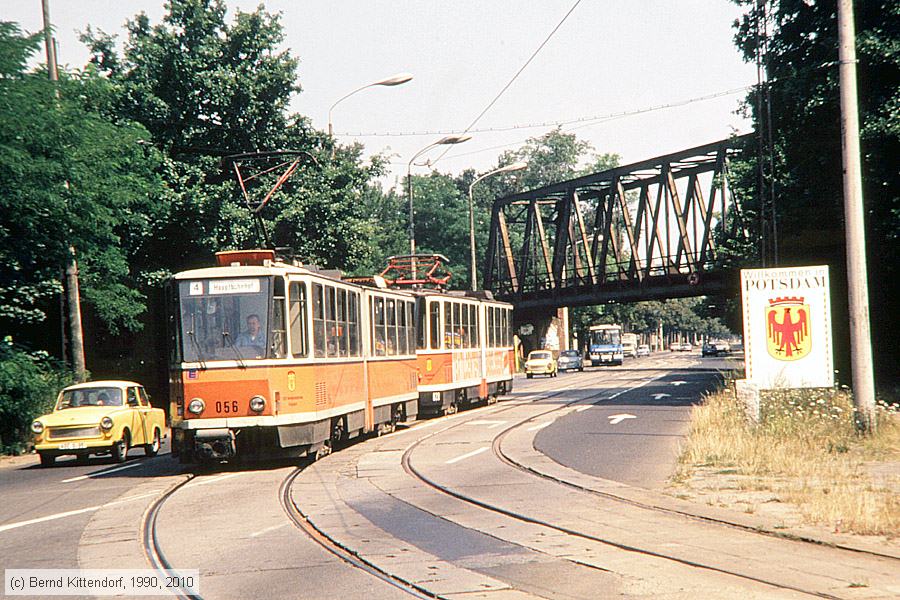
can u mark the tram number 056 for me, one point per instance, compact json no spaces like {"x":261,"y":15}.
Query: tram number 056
{"x":228,"y":406}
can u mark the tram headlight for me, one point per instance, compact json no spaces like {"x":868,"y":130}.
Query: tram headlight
{"x":106,"y":423}
{"x":37,"y":427}
{"x":257,"y":403}
{"x":196,"y":406}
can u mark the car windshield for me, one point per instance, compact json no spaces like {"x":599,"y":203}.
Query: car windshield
{"x":95,"y":396}
{"x":570,"y":354}
{"x":539,"y":356}
{"x":602,"y":337}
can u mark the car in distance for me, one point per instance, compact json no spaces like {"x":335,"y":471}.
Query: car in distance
{"x":643,"y":350}
{"x":99,"y":417}
{"x":686,"y":347}
{"x":570,"y":360}
{"x":540,"y":362}
{"x":715,"y":348}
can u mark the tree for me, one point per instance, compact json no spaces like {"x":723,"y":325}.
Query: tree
{"x":68,"y":176}
{"x":206,"y":88}
{"x":805,"y":114}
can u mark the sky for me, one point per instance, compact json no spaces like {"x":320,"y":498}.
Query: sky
{"x":610,"y":58}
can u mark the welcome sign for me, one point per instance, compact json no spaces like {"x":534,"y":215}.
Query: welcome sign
{"x":787,"y":327}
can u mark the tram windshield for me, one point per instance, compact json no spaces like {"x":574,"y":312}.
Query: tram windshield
{"x":605,"y":337}
{"x":224,"y":319}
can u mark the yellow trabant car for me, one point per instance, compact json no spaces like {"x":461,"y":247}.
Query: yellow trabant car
{"x":540,"y":362}
{"x":100,"y":417}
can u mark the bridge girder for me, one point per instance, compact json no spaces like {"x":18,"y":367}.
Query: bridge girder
{"x":637,"y":232}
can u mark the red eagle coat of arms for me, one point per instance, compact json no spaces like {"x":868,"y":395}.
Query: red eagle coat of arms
{"x":787,"y":328}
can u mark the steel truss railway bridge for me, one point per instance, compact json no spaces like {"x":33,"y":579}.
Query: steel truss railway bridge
{"x":644,"y":231}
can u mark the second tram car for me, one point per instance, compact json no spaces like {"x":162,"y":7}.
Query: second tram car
{"x":465,"y":350}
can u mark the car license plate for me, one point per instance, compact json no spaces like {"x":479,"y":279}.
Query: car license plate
{"x":72,"y":446}
{"x":607,"y":357}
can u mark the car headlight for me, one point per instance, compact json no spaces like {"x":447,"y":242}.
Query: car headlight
{"x":196,"y":406}
{"x":37,"y":427}
{"x":106,"y":423}
{"x":257,"y":403}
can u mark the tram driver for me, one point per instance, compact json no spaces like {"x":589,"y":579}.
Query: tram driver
{"x":253,"y":338}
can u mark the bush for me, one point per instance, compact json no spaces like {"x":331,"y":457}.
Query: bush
{"x":29,"y":382}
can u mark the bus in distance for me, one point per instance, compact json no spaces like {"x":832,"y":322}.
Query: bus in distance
{"x":606,"y":345}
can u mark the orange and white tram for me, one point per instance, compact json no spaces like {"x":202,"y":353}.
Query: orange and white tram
{"x":274,"y":359}
{"x":465,"y":350}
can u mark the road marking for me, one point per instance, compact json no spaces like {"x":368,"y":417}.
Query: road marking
{"x":659,"y":396}
{"x":490,"y":424}
{"x":465,"y":456}
{"x":72,"y":513}
{"x":616,"y":419}
{"x":215,"y":479}
{"x":99,"y":473}
{"x":677,"y":383}
{"x":539,"y":426}
{"x":583,"y":408}
{"x":267,"y":530}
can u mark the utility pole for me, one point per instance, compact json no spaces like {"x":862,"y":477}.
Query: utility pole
{"x":71,"y":270}
{"x":854,"y":218}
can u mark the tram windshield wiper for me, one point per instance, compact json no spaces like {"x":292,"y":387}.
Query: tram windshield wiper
{"x":240,"y":357}
{"x":196,"y":344}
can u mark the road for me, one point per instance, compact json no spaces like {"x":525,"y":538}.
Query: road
{"x":550,"y":493}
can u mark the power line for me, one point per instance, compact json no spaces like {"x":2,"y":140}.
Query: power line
{"x":583,"y":121}
{"x":516,"y":76}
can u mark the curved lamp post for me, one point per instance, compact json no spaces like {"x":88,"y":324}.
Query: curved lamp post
{"x":516,"y":166}
{"x":398,"y":79}
{"x":450,"y":139}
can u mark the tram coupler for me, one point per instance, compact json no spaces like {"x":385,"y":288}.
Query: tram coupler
{"x":214,"y":444}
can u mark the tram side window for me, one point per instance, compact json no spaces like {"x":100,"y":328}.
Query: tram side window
{"x":378,"y":326}
{"x":473,"y":326}
{"x":434,"y":324}
{"x":463,"y":326}
{"x":507,"y":328}
{"x":411,"y":327}
{"x":353,"y":323}
{"x":299,"y":336}
{"x":390,"y":311}
{"x":279,"y":329}
{"x":420,"y":323}
{"x":402,"y":324}
{"x":318,"y":303}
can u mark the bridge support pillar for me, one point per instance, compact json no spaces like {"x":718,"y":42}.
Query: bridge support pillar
{"x":542,"y":328}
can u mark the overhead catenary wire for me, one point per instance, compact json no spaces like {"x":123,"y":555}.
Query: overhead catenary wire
{"x":514,"y":77}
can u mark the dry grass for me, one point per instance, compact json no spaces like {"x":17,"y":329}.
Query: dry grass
{"x":806,"y":451}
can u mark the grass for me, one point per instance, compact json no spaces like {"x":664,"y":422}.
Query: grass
{"x":805,"y":450}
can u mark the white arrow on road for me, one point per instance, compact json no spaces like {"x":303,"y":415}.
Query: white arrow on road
{"x":616,"y":419}
{"x":660,"y":396}
{"x":677,"y":383}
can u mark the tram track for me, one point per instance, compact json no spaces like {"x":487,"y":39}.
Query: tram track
{"x":496,"y":446}
{"x":150,"y":541}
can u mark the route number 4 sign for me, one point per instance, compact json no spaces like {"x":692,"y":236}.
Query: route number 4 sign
{"x":787,"y":327}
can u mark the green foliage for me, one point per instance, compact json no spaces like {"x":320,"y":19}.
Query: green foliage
{"x":29,"y":383}
{"x":68,"y":177}
{"x":802,"y":65}
{"x":205,"y":88}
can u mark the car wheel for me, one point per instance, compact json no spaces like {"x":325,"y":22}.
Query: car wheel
{"x":81,"y":459}
{"x":580,"y":369}
{"x":152,"y":449}
{"x":120,"y":449}
{"x":529,"y":375}
{"x":47,"y":460}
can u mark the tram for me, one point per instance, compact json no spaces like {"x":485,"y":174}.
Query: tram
{"x":274,"y":359}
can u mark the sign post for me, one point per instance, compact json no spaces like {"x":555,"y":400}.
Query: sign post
{"x":787,"y":327}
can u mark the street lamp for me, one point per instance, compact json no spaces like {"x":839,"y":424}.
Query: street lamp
{"x":398,"y":79}
{"x":516,"y":166}
{"x":450,"y":139}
